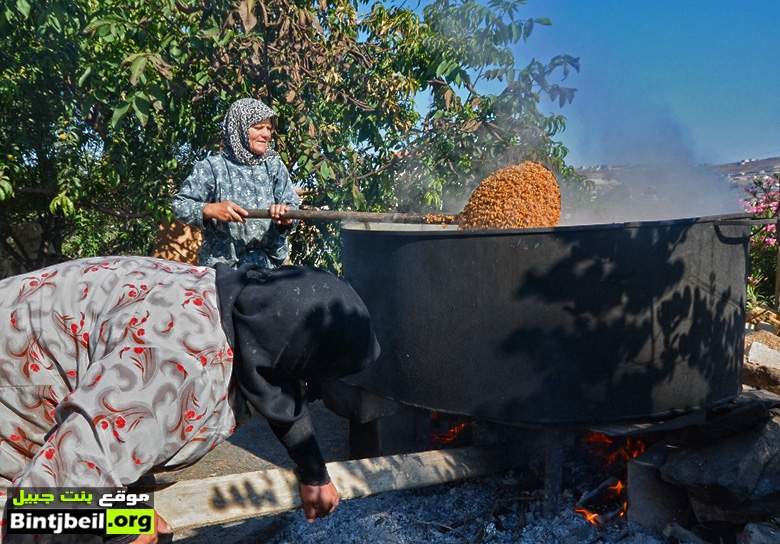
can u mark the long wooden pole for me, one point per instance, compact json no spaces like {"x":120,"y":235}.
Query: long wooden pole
{"x":334,"y":215}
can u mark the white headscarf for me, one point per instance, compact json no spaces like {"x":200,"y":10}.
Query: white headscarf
{"x":244,"y":113}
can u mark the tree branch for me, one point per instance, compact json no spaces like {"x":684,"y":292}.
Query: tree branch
{"x":20,"y":251}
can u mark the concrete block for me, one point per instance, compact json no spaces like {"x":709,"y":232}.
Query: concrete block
{"x":653,"y":504}
{"x":761,"y":354}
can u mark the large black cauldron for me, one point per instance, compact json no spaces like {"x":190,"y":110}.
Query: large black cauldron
{"x":564,"y":325}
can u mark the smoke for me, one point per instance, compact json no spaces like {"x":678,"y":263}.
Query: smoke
{"x":653,"y":176}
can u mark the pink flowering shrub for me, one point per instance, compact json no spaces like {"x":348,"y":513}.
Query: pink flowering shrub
{"x":763,"y":200}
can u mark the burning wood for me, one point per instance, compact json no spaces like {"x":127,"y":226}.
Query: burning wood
{"x":451,"y":435}
{"x":608,"y":501}
{"x":605,"y":503}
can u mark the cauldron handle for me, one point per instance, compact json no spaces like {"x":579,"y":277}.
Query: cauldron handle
{"x":745,"y":221}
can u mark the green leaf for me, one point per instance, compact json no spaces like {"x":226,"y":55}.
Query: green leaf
{"x":202,"y":78}
{"x":84,"y":76}
{"x":458,"y":79}
{"x":119,"y":113}
{"x":442,"y":67}
{"x":23,"y":6}
{"x":62,"y":202}
{"x":157,"y":96}
{"x":453,"y":65}
{"x":325,"y":171}
{"x":137,"y":68}
{"x":210,"y":33}
{"x":528,"y":28}
{"x":546,"y":21}
{"x":54,"y":22}
{"x":6,"y":189}
{"x":141,"y":107}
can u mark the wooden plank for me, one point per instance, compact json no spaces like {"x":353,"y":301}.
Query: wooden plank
{"x":222,"y":499}
{"x":188,"y":504}
{"x":760,"y":313}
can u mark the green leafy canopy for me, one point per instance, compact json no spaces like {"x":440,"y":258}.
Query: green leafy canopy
{"x":106,"y":104}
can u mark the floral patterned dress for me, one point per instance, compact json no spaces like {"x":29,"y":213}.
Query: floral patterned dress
{"x":110,"y":368}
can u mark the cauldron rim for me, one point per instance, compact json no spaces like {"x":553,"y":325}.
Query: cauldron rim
{"x":406,"y":229}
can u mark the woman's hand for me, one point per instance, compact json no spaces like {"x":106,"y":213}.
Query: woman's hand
{"x":160,"y":526}
{"x":224,"y":211}
{"x":277,"y":211}
{"x":318,"y":500}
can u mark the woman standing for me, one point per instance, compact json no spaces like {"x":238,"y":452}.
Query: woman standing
{"x":114,"y":367}
{"x":248,"y":173}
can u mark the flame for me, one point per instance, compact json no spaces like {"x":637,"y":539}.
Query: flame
{"x":618,"y":488}
{"x":600,"y":520}
{"x":451,"y":434}
{"x":602,"y":444}
{"x":611,"y":503}
{"x":590,"y":517}
{"x":632,"y":449}
{"x":597,"y":438}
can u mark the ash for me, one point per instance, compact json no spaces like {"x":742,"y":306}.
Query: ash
{"x":493,"y":510}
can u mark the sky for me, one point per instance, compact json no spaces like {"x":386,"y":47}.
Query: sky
{"x":695,"y":81}
{"x":690,"y":79}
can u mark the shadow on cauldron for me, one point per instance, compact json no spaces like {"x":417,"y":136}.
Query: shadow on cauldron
{"x":566,"y":325}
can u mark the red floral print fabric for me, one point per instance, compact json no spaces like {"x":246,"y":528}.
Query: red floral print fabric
{"x":109,"y":368}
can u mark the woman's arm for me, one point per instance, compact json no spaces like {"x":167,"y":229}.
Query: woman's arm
{"x":195,"y":193}
{"x":319,"y":495}
{"x":282,"y":402}
{"x":285,"y":198}
{"x":284,"y":192}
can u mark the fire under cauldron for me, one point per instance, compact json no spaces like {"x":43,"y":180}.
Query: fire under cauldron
{"x":565,"y":325}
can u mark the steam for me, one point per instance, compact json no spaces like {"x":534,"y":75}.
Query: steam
{"x":654,"y":172}
{"x":658,"y":177}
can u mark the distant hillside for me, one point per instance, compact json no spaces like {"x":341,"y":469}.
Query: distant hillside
{"x":665,"y":190}
{"x":745,"y":171}
{"x":739,"y":172}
